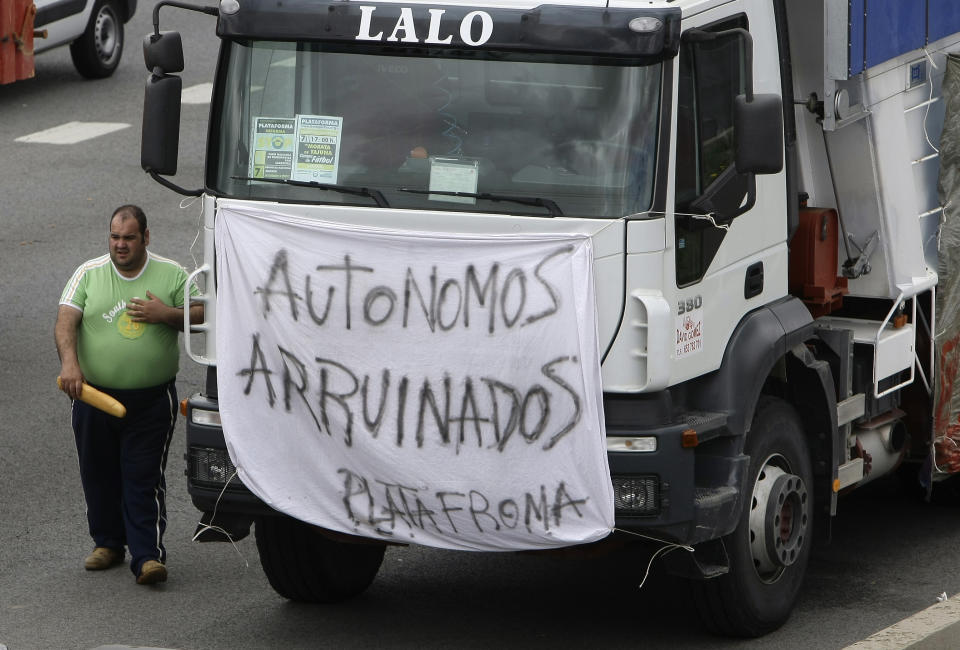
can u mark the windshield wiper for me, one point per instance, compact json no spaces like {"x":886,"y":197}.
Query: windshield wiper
{"x":550,"y":206}
{"x":371,"y":193}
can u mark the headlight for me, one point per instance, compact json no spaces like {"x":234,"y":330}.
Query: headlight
{"x":205,"y":417}
{"x":644,"y":444}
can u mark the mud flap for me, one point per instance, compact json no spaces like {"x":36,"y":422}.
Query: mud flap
{"x":708,"y":560}
{"x":226,"y":527}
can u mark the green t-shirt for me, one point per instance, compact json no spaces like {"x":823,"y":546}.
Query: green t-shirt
{"x":113,"y":350}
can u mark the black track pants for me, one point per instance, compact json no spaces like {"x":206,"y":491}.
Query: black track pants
{"x":122,"y":461}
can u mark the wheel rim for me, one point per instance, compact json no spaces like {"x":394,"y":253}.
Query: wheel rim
{"x":779,"y":519}
{"x":106,"y":35}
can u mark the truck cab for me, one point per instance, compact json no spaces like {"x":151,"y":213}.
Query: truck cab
{"x":703,"y":156}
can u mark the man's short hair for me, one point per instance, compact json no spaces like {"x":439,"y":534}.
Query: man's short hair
{"x":134,"y":211}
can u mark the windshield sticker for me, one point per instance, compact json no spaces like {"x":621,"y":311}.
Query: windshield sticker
{"x":453,"y":175}
{"x":689,"y":330}
{"x":318,"y":148}
{"x":272,"y":149}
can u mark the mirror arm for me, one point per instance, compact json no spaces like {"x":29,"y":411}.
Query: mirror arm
{"x":212,"y":11}
{"x":173,"y":186}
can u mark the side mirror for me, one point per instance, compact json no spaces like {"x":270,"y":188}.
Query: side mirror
{"x":160,"y":137}
{"x":758,"y":133}
{"x":163,"y":50}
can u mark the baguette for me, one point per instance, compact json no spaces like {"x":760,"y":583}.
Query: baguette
{"x":99,"y":399}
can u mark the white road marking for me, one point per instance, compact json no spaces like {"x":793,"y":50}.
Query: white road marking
{"x":199,"y":94}
{"x":934,"y":628}
{"x":73,"y":132}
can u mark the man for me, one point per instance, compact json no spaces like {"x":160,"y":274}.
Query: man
{"x":117,"y":329}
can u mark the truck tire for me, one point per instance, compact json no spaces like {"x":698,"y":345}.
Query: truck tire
{"x":97,"y":53}
{"x":305,"y":566}
{"x":770,"y":548}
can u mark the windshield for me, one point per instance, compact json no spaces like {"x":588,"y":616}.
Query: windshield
{"x":493,"y":132}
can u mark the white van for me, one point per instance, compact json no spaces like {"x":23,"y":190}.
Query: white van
{"x":93,"y":28}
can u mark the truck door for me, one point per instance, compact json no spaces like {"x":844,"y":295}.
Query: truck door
{"x":729,"y":227}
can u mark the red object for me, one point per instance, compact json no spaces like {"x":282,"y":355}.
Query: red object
{"x":7,"y":57}
{"x":946,"y":439}
{"x":16,"y":40}
{"x":813,"y":261}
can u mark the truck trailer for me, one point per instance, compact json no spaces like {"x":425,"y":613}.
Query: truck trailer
{"x":676,"y":268}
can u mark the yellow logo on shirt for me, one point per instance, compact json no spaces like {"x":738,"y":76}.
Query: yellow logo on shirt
{"x":128,"y":328}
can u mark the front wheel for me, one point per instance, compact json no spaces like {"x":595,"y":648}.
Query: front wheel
{"x":304,"y":565}
{"x":97,"y":53}
{"x":770,"y":548}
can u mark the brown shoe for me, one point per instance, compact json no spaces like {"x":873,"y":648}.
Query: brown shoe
{"x":102,"y":558}
{"x":151,"y":573}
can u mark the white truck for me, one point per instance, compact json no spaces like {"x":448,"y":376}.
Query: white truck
{"x":763,"y":185}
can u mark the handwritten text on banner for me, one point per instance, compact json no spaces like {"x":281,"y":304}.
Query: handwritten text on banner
{"x":414,"y":387}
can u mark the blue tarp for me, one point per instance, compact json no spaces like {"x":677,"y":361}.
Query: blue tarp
{"x":884,"y":29}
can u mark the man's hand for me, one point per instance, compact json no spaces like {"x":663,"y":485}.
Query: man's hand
{"x":154,"y":310}
{"x":151,"y":310}
{"x":71,"y":380}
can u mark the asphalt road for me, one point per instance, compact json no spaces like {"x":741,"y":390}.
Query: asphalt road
{"x":890,"y":555}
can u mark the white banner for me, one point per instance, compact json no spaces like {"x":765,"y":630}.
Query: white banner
{"x":413,"y":387}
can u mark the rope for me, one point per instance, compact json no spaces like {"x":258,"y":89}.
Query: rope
{"x":205,"y":527}
{"x":667,"y":547}
{"x":703,"y":217}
